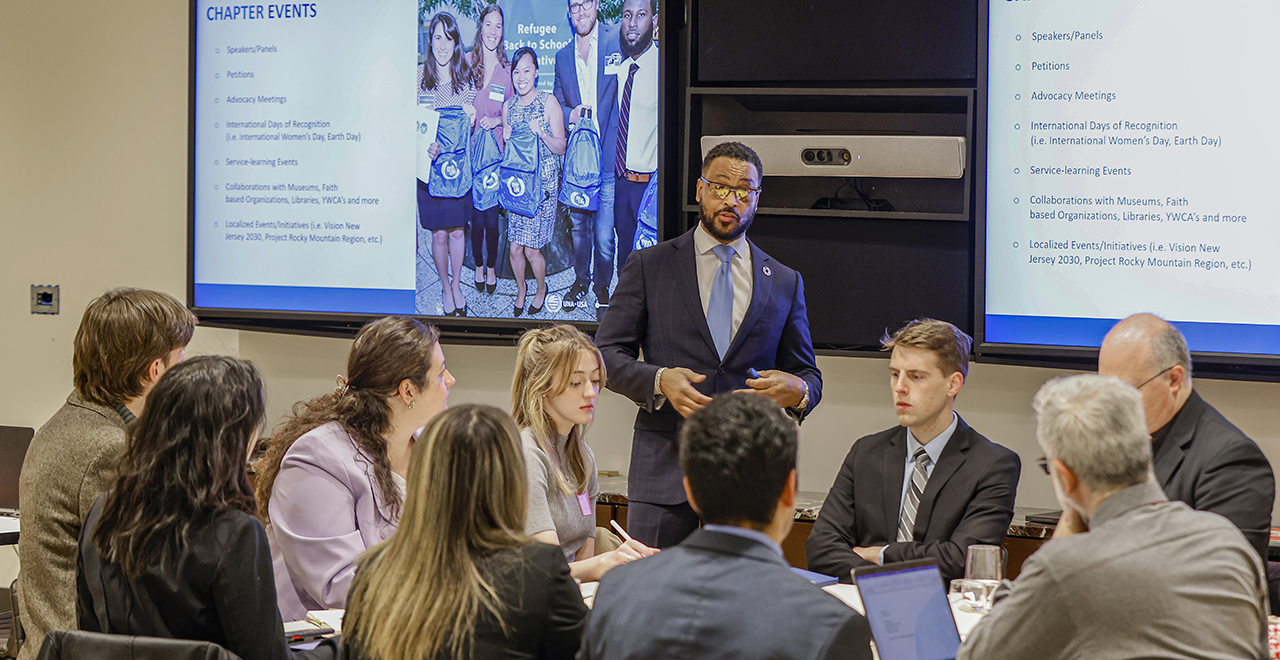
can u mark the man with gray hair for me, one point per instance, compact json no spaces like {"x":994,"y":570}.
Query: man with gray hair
{"x":1128,"y":574}
{"x":1199,"y":457}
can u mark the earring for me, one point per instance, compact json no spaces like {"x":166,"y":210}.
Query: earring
{"x":410,"y":405}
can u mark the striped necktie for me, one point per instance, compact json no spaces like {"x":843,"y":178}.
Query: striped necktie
{"x":624,"y":121}
{"x":907,"y":521}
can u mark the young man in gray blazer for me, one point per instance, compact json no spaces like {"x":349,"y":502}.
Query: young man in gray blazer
{"x":127,"y":339}
{"x":930,"y":487}
{"x":1128,"y":573}
{"x":726,"y":591}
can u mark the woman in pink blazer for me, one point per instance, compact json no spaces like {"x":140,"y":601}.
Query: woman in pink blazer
{"x":332,"y":481}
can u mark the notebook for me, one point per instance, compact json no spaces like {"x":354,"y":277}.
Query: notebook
{"x":13,"y":448}
{"x":908,"y":610}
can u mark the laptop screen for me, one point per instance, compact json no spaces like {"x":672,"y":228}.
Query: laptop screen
{"x":13,"y":448}
{"x":908,"y":611}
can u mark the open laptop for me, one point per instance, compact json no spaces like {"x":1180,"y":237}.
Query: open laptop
{"x":13,"y":448}
{"x":908,"y":610}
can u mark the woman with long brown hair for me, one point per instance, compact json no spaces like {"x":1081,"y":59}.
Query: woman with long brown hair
{"x":445,"y":81}
{"x":461,"y":579}
{"x":332,"y":481}
{"x":553,"y":396}
{"x":174,"y":549}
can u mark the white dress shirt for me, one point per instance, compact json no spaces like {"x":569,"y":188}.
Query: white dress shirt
{"x":588,"y":70}
{"x":642,"y":122}
{"x":739,"y":267}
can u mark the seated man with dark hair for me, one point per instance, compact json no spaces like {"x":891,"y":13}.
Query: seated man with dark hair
{"x":127,"y":339}
{"x":726,"y":591}
{"x":927,"y":488}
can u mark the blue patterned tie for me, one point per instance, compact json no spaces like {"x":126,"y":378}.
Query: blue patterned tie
{"x":720,"y":307}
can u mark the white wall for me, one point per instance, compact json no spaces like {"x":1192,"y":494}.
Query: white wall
{"x":93,"y":157}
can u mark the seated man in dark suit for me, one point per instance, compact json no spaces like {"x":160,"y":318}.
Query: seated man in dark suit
{"x":930,"y":487}
{"x":726,"y":591}
{"x":1199,"y":457}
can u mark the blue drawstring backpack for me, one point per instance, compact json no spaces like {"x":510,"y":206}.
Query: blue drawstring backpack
{"x":486,"y":157}
{"x":451,"y":170}
{"x":581,"y":186}
{"x":647,"y":219}
{"x":520,"y":182}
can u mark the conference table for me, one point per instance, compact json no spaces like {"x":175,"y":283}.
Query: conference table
{"x":1023,"y":538}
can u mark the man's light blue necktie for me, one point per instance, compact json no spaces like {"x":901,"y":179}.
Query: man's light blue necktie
{"x":720,"y":307}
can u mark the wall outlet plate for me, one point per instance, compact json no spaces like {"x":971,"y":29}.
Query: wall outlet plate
{"x":44,"y":298}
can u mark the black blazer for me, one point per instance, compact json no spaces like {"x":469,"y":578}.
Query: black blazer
{"x":968,"y":500}
{"x":544,"y":615}
{"x":718,"y":595}
{"x":1213,"y":466}
{"x":219,"y":588}
{"x":657,"y":309}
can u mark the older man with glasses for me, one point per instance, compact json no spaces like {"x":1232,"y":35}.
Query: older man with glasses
{"x":1128,"y":573}
{"x":1199,"y":457}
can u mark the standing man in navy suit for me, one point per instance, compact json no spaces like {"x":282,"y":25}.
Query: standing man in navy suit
{"x":706,"y":309}
{"x":587,"y":79}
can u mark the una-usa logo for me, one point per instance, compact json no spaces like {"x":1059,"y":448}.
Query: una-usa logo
{"x":578,"y":198}
{"x":490,"y":181}
{"x":422,"y":127}
{"x":450,"y":169}
{"x":515,"y":186}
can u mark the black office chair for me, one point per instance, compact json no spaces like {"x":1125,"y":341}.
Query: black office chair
{"x":80,"y":645}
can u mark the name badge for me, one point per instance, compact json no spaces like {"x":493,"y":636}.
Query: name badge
{"x":584,"y":503}
{"x":612,"y":64}
{"x":497,"y":93}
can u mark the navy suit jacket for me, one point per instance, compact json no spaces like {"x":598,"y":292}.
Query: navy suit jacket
{"x":718,"y":595}
{"x":1211,"y":465}
{"x":968,"y":500}
{"x":605,"y":108}
{"x":657,"y":309}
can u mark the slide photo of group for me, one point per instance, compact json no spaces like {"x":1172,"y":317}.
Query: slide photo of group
{"x":537,"y":142}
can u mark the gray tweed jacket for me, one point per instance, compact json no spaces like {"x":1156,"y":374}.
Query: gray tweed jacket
{"x":71,"y":461}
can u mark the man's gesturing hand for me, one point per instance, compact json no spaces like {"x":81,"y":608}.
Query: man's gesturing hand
{"x":677,"y":385}
{"x":778,"y":386}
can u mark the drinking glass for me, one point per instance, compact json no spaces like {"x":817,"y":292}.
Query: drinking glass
{"x":985,"y":562}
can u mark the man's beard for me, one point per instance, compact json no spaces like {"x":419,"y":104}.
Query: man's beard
{"x":642,"y":44}
{"x":709,"y":224}
{"x":590,"y":26}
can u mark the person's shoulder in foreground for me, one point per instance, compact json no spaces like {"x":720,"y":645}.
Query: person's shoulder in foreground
{"x":126,"y":340}
{"x":726,"y":591}
{"x":1128,"y":573}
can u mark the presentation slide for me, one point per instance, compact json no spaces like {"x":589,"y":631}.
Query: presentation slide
{"x":347,"y":155}
{"x":1130,"y":148}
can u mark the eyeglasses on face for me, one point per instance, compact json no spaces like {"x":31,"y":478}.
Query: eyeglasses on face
{"x":1043,"y":462}
{"x":579,"y":7}
{"x":722,"y":191}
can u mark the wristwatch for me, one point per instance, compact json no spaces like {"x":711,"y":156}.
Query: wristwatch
{"x":804,"y":400}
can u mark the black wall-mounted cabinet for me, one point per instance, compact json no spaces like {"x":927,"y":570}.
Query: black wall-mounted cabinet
{"x":833,"y":67}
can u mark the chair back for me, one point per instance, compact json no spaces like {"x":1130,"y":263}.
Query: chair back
{"x":81,"y":645}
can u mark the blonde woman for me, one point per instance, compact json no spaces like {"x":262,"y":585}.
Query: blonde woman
{"x":461,"y":579}
{"x":558,"y":377}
